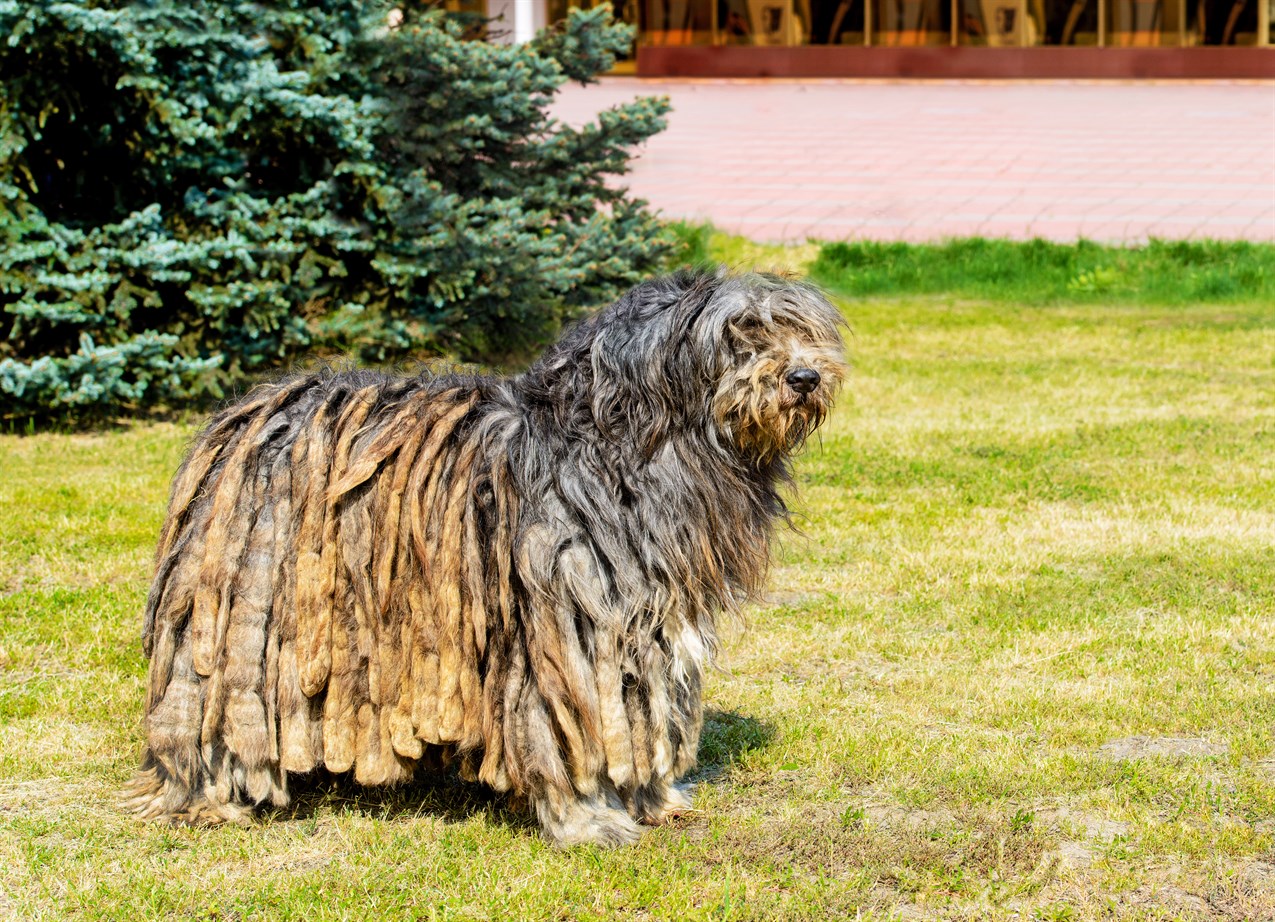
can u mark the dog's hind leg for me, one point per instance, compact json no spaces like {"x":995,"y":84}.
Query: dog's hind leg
{"x":173,"y":782}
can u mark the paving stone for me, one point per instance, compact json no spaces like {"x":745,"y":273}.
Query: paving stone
{"x":926,"y":160}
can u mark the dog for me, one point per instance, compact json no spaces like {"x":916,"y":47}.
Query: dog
{"x":520,"y":578}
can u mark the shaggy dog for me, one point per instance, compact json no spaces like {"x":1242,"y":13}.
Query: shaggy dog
{"x":516,"y":576}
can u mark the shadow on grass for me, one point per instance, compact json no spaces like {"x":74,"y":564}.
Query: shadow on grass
{"x":436,"y":792}
{"x":727,"y":736}
{"x":440,"y":792}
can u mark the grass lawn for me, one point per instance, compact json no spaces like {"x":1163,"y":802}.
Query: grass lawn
{"x":1020,"y":665}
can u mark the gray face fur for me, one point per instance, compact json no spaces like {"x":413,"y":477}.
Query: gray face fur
{"x":519,"y":576}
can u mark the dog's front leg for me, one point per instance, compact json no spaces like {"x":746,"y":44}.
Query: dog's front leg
{"x":670,"y":684}
{"x":618,"y":678}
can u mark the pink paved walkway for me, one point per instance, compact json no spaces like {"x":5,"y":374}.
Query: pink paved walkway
{"x":787,"y":160}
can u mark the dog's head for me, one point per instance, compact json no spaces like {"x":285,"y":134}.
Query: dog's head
{"x":780,"y":361}
{"x":750,"y":361}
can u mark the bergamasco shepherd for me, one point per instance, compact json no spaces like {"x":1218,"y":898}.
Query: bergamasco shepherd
{"x":519,"y":577}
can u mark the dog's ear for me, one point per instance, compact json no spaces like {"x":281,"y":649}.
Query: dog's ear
{"x":650,"y":371}
{"x":631,"y":400}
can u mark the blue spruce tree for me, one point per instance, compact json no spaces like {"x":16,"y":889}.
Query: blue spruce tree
{"x":195,"y":192}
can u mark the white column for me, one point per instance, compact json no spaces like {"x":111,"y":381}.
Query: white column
{"x":517,"y":20}
{"x":524,"y":20}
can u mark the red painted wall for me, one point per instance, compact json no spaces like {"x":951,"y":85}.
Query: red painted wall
{"x":993,"y":63}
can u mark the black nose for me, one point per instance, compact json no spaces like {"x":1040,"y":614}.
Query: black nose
{"x":803,"y":380}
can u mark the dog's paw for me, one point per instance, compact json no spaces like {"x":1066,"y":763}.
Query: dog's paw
{"x":656,"y":807}
{"x":677,"y":800}
{"x":152,"y":795}
{"x":599,"y":820}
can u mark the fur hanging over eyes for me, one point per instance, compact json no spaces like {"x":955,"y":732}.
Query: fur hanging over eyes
{"x":517,"y":577}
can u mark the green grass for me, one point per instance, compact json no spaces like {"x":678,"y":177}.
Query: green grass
{"x":1029,"y":530}
{"x":1035,"y":272}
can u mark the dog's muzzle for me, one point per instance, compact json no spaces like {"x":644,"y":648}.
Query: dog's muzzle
{"x":803,"y":380}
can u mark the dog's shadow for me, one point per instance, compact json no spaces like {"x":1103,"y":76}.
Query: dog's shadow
{"x":727,"y":736}
{"x":443,"y":794}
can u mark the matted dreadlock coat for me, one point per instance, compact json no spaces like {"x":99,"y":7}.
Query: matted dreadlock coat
{"x":520,"y":576}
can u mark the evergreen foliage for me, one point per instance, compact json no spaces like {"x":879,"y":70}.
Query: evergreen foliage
{"x":195,"y":191}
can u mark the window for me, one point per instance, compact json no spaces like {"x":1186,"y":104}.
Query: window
{"x":677,"y":22}
{"x":911,"y":22}
{"x":1222,"y":22}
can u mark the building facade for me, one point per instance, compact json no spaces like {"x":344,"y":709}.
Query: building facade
{"x":931,"y":38}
